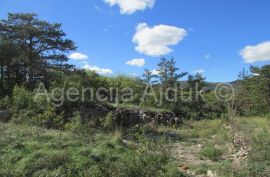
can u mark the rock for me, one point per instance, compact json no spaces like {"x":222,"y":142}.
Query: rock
{"x":131,"y":117}
{"x":211,"y":174}
{"x":176,"y":121}
{"x":5,"y":116}
{"x":93,"y":113}
{"x":127,"y":117}
{"x":125,"y":142}
{"x":95,"y":158}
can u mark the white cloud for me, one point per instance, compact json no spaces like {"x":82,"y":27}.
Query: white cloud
{"x":260,"y":52}
{"x":139,"y":62}
{"x":104,"y":71}
{"x":200,"y":71}
{"x":155,"y":41}
{"x":155,"y":72}
{"x":131,"y":6}
{"x":78,"y":56}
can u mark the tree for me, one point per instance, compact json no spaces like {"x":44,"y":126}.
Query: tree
{"x":169,"y":76}
{"x":196,"y":84}
{"x":148,"y":77}
{"x":253,"y":91}
{"x":263,"y":74}
{"x":163,"y":72}
{"x":43,"y":45}
{"x":8,"y":52}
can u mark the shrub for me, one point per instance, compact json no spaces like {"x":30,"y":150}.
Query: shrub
{"x":21,"y":99}
{"x":172,"y":171}
{"x":50,"y":119}
{"x":209,"y":151}
{"x":5,"y":103}
{"x":202,"y":169}
{"x":75,"y":124}
{"x":110,"y":121}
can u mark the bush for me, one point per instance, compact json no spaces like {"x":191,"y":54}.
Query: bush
{"x":75,"y":124}
{"x":110,"y":121}
{"x":50,"y":119}
{"x":5,"y":103}
{"x":22,"y":99}
{"x":172,"y":171}
{"x":202,"y":169}
{"x":209,"y":151}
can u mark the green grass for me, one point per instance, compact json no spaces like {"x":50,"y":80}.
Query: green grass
{"x":204,"y":129}
{"x":211,"y":152}
{"x":32,"y":151}
{"x":215,"y":138}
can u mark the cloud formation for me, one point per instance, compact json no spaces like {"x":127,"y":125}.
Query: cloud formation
{"x":78,"y":56}
{"x":131,"y":6}
{"x":260,"y":52}
{"x":139,"y":62}
{"x":156,"y":41}
{"x":103,"y":71}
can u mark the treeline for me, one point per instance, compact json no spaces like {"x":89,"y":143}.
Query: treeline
{"x":33,"y":51}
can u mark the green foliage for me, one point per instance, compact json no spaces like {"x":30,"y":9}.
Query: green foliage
{"x":75,"y":124}
{"x":259,"y":158}
{"x":109,"y":122}
{"x":202,"y":169}
{"x":34,"y":110}
{"x":22,"y":99}
{"x":209,"y":151}
{"x":172,"y":171}
{"x":253,"y":91}
{"x":5,"y":102}
{"x":49,"y":119}
{"x":32,"y":151}
{"x":205,"y":129}
{"x":44,"y":54}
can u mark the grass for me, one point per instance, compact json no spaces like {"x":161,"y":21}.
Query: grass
{"x":207,"y":143}
{"x":33,"y":151}
{"x":211,"y":152}
{"x":203,"y":129}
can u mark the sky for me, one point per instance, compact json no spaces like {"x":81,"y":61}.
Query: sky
{"x":217,"y":38}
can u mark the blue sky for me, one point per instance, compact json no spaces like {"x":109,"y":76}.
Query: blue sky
{"x":215,"y":32}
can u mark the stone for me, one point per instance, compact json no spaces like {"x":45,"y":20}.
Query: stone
{"x":5,"y":116}
{"x":95,"y":157}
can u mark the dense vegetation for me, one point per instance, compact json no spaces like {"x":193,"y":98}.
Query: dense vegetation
{"x":35,"y":79}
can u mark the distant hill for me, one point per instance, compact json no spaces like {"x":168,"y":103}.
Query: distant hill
{"x":209,"y":85}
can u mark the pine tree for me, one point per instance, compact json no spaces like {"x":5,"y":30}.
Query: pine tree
{"x":43,"y":45}
{"x":196,"y":84}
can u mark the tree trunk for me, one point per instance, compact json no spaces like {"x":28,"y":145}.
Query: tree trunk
{"x":2,"y":76}
{"x":2,"y":89}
